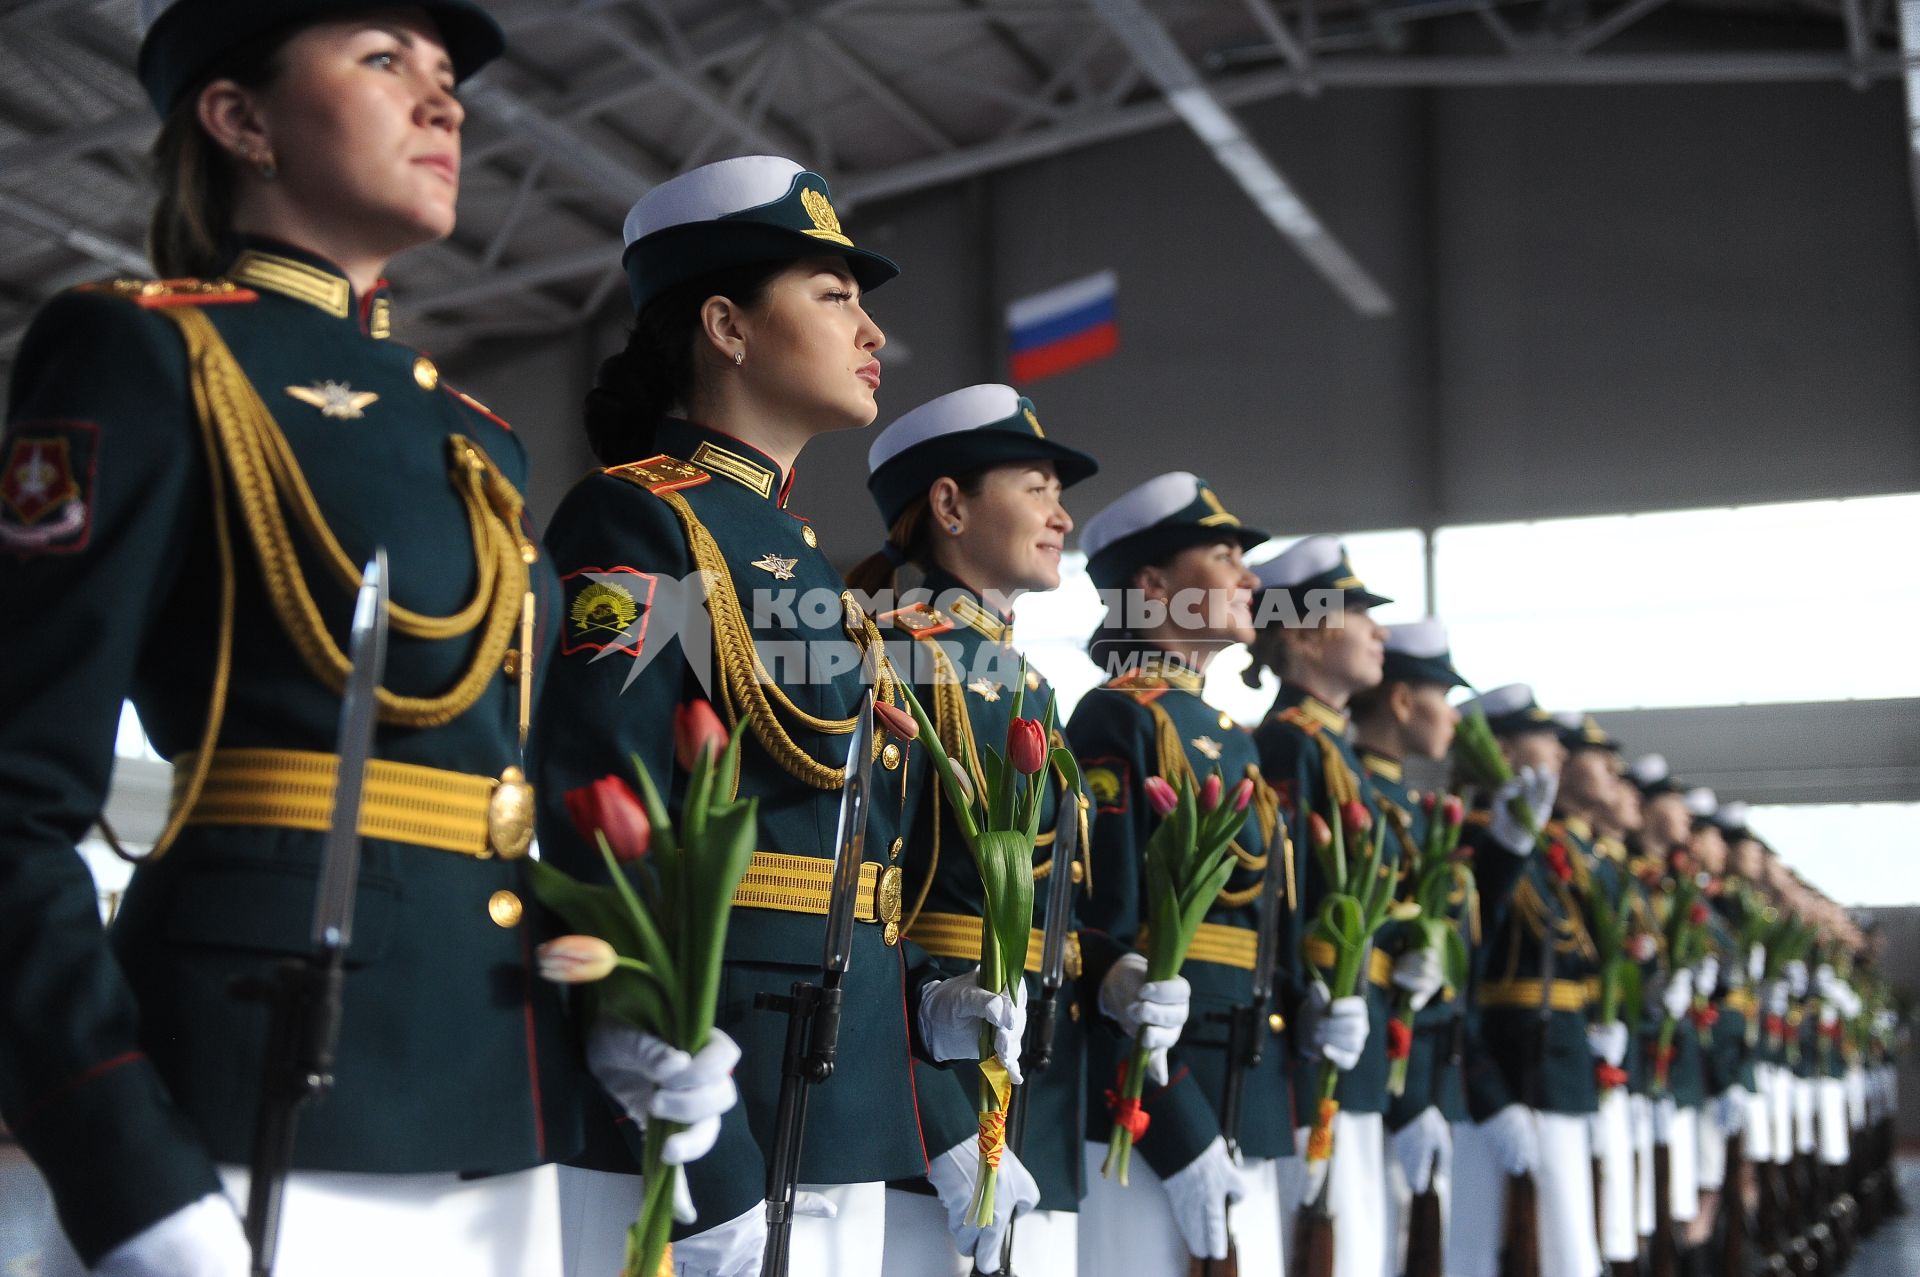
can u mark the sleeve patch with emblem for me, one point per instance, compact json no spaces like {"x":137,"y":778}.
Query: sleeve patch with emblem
{"x":606,"y":610}
{"x":47,"y":475}
{"x":1107,"y":782}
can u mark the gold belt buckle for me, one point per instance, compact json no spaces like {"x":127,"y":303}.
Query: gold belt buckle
{"x":510,"y":815}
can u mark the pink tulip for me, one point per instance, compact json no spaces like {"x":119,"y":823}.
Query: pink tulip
{"x":576,"y":960}
{"x":1242,"y":795}
{"x":895,"y":722}
{"x":1210,"y":793}
{"x":696,"y":730}
{"x":1160,"y":796}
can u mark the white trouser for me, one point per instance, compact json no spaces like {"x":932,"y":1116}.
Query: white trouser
{"x":1619,"y":1239}
{"x":1830,"y":1099}
{"x":599,"y":1205}
{"x":1710,"y":1159}
{"x":1783,"y":1142}
{"x":1857,"y":1098}
{"x":1642,"y":1110}
{"x":1564,"y":1181}
{"x":1398,"y":1205}
{"x":1131,"y":1230}
{"x":1355,"y":1193}
{"x":919,"y":1243}
{"x":1683,"y":1175}
{"x":1756,"y":1133}
{"x":1805,"y":1107}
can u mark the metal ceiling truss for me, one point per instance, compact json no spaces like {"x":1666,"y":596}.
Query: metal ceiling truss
{"x":605,"y":98}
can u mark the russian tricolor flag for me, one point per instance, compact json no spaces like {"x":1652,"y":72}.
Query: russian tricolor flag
{"x":1063,"y":327}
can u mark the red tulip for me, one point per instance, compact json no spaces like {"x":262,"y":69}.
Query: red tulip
{"x":609,"y":806}
{"x":896,"y":722}
{"x":1160,"y":796}
{"x":1454,"y":812}
{"x":1356,"y":818}
{"x":1026,"y":746}
{"x":1317,"y":827}
{"x":1680,"y":863}
{"x":1210,"y":793}
{"x":1399,"y":1040}
{"x":1242,"y":795}
{"x":1706,"y":1017}
{"x":1558,"y":861}
{"x":696,"y":730}
{"x":1699,"y":914}
{"x":1429,"y":801}
{"x":576,"y":959}
{"x":1609,"y":1076}
{"x":1642,"y":947}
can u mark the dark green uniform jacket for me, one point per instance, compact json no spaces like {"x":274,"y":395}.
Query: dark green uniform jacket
{"x":1686,"y":1077}
{"x":1145,"y":725}
{"x":1433,"y":1064}
{"x":1529,"y":902}
{"x":1305,"y":752}
{"x":1729,"y":1058}
{"x":626,"y":562}
{"x":959,"y":655}
{"x":126,"y":1069}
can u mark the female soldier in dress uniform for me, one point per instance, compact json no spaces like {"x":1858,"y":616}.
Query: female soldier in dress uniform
{"x":195,"y":469}
{"x":687,"y":576}
{"x":1170,"y":553}
{"x":970,"y":489}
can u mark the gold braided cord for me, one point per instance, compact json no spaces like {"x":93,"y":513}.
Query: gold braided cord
{"x":745,"y":681}
{"x":1564,"y":931}
{"x":1342,"y":788}
{"x":246,"y":430}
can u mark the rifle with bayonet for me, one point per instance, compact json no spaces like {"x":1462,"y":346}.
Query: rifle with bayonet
{"x":1036,"y":1053}
{"x":1246,"y":1036}
{"x":813,"y":1010}
{"x":1520,"y":1249}
{"x":303,"y":994}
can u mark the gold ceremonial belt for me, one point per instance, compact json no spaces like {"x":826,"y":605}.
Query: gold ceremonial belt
{"x":1567,"y":995}
{"x":957,"y":935}
{"x":1379,"y":966}
{"x":1741,"y":1000}
{"x":804,"y":884}
{"x":1215,"y":942}
{"x":401,"y":802}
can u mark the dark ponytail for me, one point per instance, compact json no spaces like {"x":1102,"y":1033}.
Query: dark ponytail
{"x":909,"y":540}
{"x":657,"y":374}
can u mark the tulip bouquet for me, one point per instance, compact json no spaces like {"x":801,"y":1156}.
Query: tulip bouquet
{"x":650,"y":949}
{"x":1686,"y":926}
{"x":1359,"y":902}
{"x":1189,"y":859}
{"x":1000,"y":819}
{"x":1478,"y":751}
{"x":1620,"y":950}
{"x":1437,"y":868}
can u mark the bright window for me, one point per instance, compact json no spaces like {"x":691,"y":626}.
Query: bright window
{"x":1850,"y":851}
{"x":1807,"y":601}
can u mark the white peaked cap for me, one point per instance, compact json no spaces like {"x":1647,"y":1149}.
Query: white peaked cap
{"x":1301,"y":561}
{"x":1426,"y":638}
{"x":1139,"y":509}
{"x":1702,"y":802}
{"x":1508,"y":699}
{"x":965,"y":409}
{"x":1734,"y":815}
{"x":1649,"y":769}
{"x":711,"y":191}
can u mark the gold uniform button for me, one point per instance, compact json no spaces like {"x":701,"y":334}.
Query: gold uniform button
{"x":808,"y":535}
{"x":425,"y":375}
{"x":505,"y":909}
{"x":1079,"y":871}
{"x":511,"y":665}
{"x":893,"y":852}
{"x":1226,"y":722}
{"x":890,"y":756}
{"x":1276,"y":1022}
{"x":1073,"y":1012}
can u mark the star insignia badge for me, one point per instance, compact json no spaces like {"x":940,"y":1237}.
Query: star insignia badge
{"x":986,"y":690}
{"x":1207,"y":745}
{"x":335,"y":399}
{"x":782,"y":569}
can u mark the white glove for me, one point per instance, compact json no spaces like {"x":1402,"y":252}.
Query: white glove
{"x":1730,"y":1110}
{"x":1422,"y":1147}
{"x":1756,"y":963}
{"x":649,"y":1078}
{"x":1516,"y":1144}
{"x":1421,"y":973}
{"x":201,"y":1239}
{"x":1199,"y":1193}
{"x":1537,"y":790}
{"x":735,"y":1248}
{"x":953,"y":1174}
{"x":952,"y":1011}
{"x":1777,"y":994}
{"x":1832,"y":988}
{"x":1706,"y":975}
{"x":1608,"y":1042}
{"x":1151,"y":1012}
{"x":1665,"y":1110}
{"x":1334,"y":1029}
{"x":1797,"y":978}
{"x":1677,"y":998}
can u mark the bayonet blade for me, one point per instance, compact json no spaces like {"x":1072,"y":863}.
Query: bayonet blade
{"x":1066,"y":848}
{"x":850,"y":842}
{"x":1267,"y":939}
{"x":359,"y":712}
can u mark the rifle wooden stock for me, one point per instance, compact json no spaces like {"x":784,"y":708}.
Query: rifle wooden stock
{"x":1520,"y":1243}
{"x":1426,"y":1251}
{"x":1665,"y":1254}
{"x":1313,"y":1237}
{"x":1228,"y":1267}
{"x":1733,"y":1212}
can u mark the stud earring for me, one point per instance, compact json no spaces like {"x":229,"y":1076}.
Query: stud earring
{"x":954,"y":528}
{"x":263,"y":164}
{"x":739,"y":357}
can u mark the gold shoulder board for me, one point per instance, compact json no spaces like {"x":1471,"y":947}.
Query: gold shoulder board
{"x":661,"y":474}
